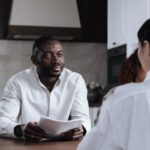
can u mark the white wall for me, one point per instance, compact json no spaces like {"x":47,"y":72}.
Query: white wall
{"x":89,"y":59}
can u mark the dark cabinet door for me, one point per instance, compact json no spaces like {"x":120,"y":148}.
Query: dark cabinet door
{"x":93,"y":17}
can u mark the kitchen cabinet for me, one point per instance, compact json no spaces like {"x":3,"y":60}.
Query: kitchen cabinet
{"x":139,"y":12}
{"x":124,"y":19}
{"x":93,"y":17}
{"x":5,"y":6}
{"x":117,"y":22}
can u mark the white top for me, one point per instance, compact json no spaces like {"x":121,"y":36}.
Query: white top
{"x":27,"y":99}
{"x":124,"y":121}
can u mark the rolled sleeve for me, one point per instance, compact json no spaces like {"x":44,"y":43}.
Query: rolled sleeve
{"x":80,"y":109}
{"x":9,"y":110}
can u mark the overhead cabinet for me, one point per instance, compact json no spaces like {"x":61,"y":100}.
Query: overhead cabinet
{"x":124,"y":19}
{"x":117,"y":25}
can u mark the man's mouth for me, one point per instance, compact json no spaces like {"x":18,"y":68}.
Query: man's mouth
{"x":56,"y":68}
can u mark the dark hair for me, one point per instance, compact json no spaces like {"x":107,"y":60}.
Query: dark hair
{"x":144,"y":32}
{"x":129,"y":69}
{"x":38,"y":42}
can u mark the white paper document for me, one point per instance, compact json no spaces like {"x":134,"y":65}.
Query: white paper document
{"x":55,"y":127}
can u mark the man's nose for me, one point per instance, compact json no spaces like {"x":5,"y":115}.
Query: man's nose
{"x":55,"y":59}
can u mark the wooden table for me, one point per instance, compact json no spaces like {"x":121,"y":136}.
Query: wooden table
{"x":12,"y":144}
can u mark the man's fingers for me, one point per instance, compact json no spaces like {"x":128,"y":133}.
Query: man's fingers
{"x":73,"y":134}
{"x":31,"y":137}
{"x":77,"y":137}
{"x":34,"y":126}
{"x":77,"y":131}
{"x":33,"y":129}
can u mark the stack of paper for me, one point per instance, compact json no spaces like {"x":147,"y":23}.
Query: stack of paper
{"x":55,"y":127}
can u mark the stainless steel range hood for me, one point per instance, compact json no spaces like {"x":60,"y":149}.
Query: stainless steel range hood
{"x":32,"y":18}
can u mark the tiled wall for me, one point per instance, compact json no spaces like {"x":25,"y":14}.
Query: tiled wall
{"x":89,"y":59}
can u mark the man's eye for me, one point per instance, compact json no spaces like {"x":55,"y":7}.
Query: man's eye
{"x":60,"y":54}
{"x":46,"y":55}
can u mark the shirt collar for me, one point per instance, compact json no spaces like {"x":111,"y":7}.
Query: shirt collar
{"x":62,"y":74}
{"x":147,"y":76}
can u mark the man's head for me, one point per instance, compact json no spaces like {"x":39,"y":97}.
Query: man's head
{"x":144,"y":45}
{"x":48,"y":56}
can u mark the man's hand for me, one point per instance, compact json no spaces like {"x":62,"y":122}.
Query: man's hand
{"x":31,"y":132}
{"x":74,"y":134}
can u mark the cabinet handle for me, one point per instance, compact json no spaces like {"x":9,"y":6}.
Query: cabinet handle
{"x":115,"y":43}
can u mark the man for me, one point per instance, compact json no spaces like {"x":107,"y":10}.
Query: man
{"x":124,"y":121}
{"x":47,"y":88}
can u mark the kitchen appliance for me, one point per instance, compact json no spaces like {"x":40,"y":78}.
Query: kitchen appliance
{"x":96,"y":92}
{"x":116,"y":57}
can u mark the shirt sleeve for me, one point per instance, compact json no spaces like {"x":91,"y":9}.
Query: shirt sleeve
{"x":101,"y":137}
{"x":9,"y":109}
{"x":80,"y":108}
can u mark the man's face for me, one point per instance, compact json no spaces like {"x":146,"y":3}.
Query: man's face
{"x":50,"y":59}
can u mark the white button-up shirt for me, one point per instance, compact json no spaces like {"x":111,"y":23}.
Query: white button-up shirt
{"x":26,"y":99}
{"x":124,"y":121}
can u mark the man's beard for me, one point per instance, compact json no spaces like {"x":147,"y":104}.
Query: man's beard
{"x":47,"y":72}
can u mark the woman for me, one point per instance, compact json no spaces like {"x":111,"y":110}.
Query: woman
{"x":124,"y":121}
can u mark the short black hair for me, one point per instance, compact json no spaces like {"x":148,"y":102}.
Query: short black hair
{"x":38,"y":42}
{"x":144,"y":32}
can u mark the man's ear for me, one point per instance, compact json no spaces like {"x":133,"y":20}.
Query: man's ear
{"x":34,"y":59}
